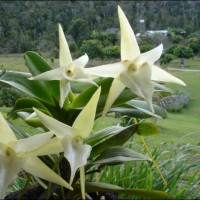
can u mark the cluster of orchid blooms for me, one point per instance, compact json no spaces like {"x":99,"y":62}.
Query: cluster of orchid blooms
{"x":135,"y":71}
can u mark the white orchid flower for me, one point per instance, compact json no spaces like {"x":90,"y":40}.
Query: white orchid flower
{"x":68,"y":71}
{"x":75,"y":151}
{"x":135,"y":70}
{"x":16,"y":155}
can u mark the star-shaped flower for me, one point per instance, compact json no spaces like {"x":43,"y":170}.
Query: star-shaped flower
{"x":135,"y":71}
{"x":68,"y":71}
{"x":16,"y":155}
{"x":75,"y":151}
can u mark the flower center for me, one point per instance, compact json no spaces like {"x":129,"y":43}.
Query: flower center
{"x":132,"y":67}
{"x":69,"y":73}
{"x":78,"y":140}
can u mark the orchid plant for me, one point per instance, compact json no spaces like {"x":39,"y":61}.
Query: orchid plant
{"x":66,"y":118}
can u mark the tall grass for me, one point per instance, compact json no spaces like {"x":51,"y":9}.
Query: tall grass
{"x":178,"y":163}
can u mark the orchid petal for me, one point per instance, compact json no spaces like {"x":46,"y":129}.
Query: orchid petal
{"x":129,"y":46}
{"x":64,"y":91}
{"x":10,"y":166}
{"x":116,"y":88}
{"x":109,"y":70}
{"x":140,"y":82}
{"x":55,"y":74}
{"x":151,"y":56}
{"x":53,"y":146}
{"x":65,"y":55}
{"x":84,"y":122}
{"x":57,"y":127}
{"x":80,"y":62}
{"x":6,"y":133}
{"x":159,"y":74}
{"x":76,"y":153}
{"x":36,"y":167}
{"x":32,"y":142}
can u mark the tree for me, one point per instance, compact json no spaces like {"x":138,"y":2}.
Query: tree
{"x":79,"y":30}
{"x":93,"y":48}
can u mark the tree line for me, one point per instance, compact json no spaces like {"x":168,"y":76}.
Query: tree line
{"x":32,"y":25}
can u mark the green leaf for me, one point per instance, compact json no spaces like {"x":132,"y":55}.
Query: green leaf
{"x":144,"y":107}
{"x":105,"y":84}
{"x":37,"y":65}
{"x":116,"y":140}
{"x":103,"y":134}
{"x":26,"y":105}
{"x":33,"y":88}
{"x":118,"y":155}
{"x":161,"y":88}
{"x":147,"y":129}
{"x":139,"y":193}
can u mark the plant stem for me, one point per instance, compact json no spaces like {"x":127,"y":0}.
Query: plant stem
{"x":154,"y":162}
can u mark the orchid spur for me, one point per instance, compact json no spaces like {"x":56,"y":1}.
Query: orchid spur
{"x":135,"y":71}
{"x":72,"y":137}
{"x":22,"y":154}
{"x":68,"y":71}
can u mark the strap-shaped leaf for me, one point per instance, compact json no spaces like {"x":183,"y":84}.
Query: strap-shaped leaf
{"x":118,"y":155}
{"x":105,"y":84}
{"x":139,"y":193}
{"x":161,"y":88}
{"x":116,"y":140}
{"x":103,"y":134}
{"x":26,"y":105}
{"x":37,"y":65}
{"x":144,"y":107}
{"x":33,"y":88}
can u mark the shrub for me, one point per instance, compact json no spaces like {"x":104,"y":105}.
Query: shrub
{"x":111,"y":52}
{"x":145,"y":48}
{"x":183,"y":52}
{"x":166,"y":59}
{"x":8,"y":96}
{"x":93,"y":48}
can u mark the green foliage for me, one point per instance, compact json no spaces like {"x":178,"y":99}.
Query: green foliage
{"x":145,"y":48}
{"x":8,"y":96}
{"x":111,"y":52}
{"x":18,"y":34}
{"x":194,"y":44}
{"x":79,"y":30}
{"x":166,"y":59}
{"x":93,"y":48}
{"x":183,"y":52}
{"x":177,"y":162}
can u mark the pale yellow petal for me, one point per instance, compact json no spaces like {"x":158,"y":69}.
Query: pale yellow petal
{"x":161,"y":75}
{"x":80,"y":62}
{"x":31,"y":143}
{"x":140,"y":82}
{"x":129,"y":46}
{"x":116,"y":88}
{"x":58,"y":128}
{"x":151,"y":56}
{"x":64,"y":91}
{"x":55,"y":74}
{"x":84,"y":122}
{"x":65,"y":55}
{"x":76,"y":153}
{"x":6,"y":134}
{"x":53,"y":146}
{"x":36,"y":167}
{"x":109,"y":70}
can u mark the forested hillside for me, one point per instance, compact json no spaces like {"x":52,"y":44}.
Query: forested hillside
{"x":26,"y":25}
